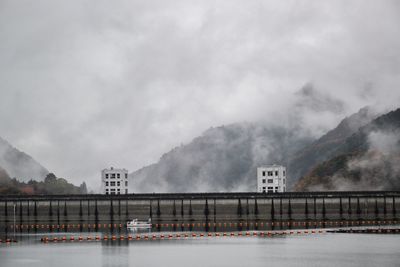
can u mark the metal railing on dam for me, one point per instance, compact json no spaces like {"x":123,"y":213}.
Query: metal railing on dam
{"x":198,"y":211}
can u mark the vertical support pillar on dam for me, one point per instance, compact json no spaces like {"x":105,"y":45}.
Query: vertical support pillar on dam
{"x":376,"y":211}
{"x":96,"y":216}
{"x":206,"y":214}
{"x":80,"y":216}
{"x":6,"y":217}
{"x":239,"y":215}
{"x":35,"y":215}
{"x":20,"y":216}
{"x":58,"y":215}
{"x":349,"y":209}
{"x":174,"y":216}
{"x":256,"y":213}
{"x":272,"y":214}
{"x":151,"y":210}
{"x":50,"y":214}
{"x":190,"y":215}
{"x":28,"y":216}
{"x":315,"y":209}
{"x":111,"y":215}
{"x":126,"y":210}
{"x":158,"y":213}
{"x":280,"y":212}
{"x":307,"y":219}
{"x":306,"y":210}
{"x":182,"y":216}
{"x":394,"y":208}
{"x":88,"y":216}
{"x":384,"y":208}
{"x":215,"y":215}
{"x":119,"y":209}
{"x":358,"y":209}
{"x":247,"y":213}
{"x":323,"y":211}
{"x":340,"y":209}
{"x":65,"y":213}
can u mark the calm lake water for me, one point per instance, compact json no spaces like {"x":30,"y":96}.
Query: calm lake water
{"x":306,"y":250}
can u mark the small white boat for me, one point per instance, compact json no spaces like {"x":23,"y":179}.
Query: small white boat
{"x":136,"y":224}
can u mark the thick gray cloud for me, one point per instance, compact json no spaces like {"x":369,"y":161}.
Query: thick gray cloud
{"x":89,"y":84}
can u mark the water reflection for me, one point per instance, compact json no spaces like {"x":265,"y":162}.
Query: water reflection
{"x":305,"y":250}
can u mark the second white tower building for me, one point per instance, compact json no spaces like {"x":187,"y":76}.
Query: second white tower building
{"x":271,"y":179}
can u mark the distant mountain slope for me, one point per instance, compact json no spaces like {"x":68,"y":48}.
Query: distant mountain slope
{"x":225,"y":158}
{"x":367,"y":160}
{"x":325,"y":147}
{"x":18,"y":164}
{"x":222,"y":159}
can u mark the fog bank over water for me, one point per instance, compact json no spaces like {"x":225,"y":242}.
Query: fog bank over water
{"x":88,"y":85}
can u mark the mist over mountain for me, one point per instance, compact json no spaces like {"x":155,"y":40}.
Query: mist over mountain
{"x":19,"y":164}
{"x":325,"y":147}
{"x":367,"y":160}
{"x":225,"y":158}
{"x":222,"y":159}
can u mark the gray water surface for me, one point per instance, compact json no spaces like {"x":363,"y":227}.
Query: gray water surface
{"x":310,"y":250}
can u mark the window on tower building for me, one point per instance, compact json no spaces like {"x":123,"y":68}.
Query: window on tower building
{"x":270,"y":173}
{"x":118,"y":183}
{"x":126,"y":175}
{"x":276,"y":173}
{"x":118,"y":175}
{"x":263,"y":173}
{"x":126,"y":183}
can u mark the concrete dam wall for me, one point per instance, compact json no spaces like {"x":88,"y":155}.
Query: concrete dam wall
{"x":198,"y":212}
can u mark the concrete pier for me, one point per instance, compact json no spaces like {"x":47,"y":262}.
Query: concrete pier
{"x":198,"y":211}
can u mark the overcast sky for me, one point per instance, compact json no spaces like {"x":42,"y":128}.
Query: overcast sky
{"x":89,"y":84}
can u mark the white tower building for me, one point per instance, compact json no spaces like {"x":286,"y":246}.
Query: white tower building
{"x":114,"y":181}
{"x":271,"y":179}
